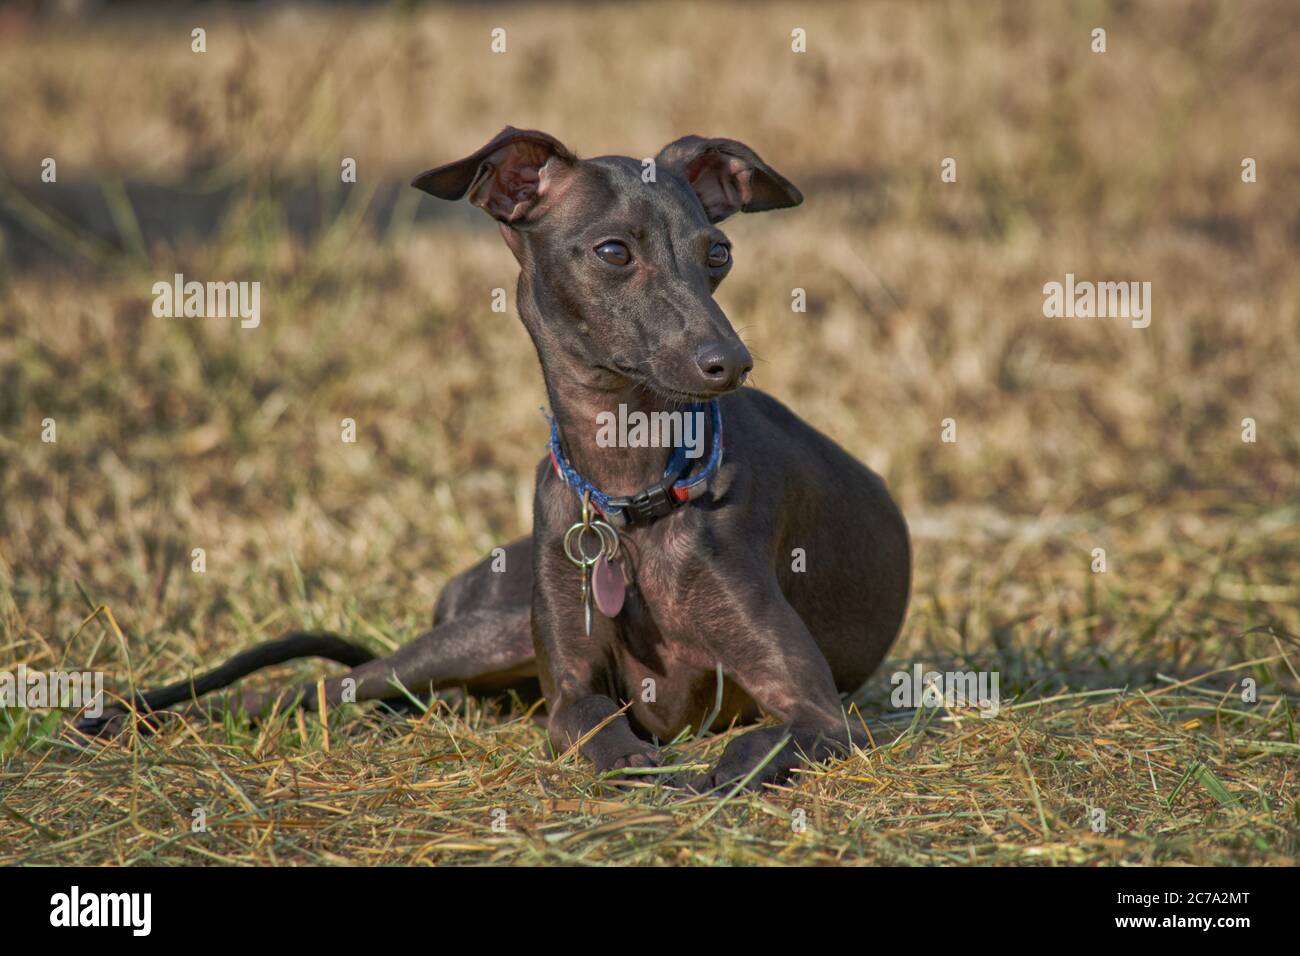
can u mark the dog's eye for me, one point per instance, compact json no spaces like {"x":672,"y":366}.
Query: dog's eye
{"x":615,"y":253}
{"x":719,"y":255}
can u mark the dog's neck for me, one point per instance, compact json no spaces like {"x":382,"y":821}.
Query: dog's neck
{"x":578,"y":409}
{"x":579,"y":395}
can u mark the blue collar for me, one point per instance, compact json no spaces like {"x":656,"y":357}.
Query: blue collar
{"x":671,"y":491}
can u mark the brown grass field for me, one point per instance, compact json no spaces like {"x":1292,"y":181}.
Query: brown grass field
{"x":1121,"y":690}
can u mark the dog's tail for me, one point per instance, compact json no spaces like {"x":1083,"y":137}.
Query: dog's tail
{"x":288,"y":648}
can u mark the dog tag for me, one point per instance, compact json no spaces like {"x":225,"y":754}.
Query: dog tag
{"x":608,"y":586}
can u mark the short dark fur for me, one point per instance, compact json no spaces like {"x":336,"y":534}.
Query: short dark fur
{"x":713,"y":583}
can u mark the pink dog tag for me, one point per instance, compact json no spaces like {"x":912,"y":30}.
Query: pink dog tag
{"x":608,"y":586}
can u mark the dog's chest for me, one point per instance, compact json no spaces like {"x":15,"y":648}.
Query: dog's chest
{"x":664,"y":665}
{"x":673,"y":685}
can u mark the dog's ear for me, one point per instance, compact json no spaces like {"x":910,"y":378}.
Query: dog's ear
{"x":506,"y":178}
{"x":728,"y":176}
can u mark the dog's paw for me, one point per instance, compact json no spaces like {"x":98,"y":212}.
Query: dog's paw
{"x":718,"y":782}
{"x":749,"y":761}
{"x":641,"y":757}
{"x":722,"y":780}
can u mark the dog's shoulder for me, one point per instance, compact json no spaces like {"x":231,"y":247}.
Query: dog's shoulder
{"x":761,"y":428}
{"x":748,"y":405}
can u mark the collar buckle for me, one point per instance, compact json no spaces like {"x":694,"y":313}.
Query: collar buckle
{"x":663,"y":497}
{"x":644,"y":506}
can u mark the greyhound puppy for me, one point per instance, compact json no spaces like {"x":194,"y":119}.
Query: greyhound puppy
{"x":703,"y":613}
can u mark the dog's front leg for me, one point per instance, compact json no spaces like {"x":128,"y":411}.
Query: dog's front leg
{"x":614,"y":747}
{"x":765,"y":647}
{"x":575,"y":681}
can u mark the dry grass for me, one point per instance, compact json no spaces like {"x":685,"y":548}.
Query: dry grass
{"x":1121,"y":690}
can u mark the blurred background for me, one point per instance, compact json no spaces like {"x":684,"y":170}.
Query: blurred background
{"x":924,"y":303}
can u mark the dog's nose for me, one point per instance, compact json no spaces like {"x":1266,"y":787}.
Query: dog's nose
{"x":724,"y":366}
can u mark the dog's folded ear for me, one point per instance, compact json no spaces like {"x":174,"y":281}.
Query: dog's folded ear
{"x":728,"y":176}
{"x":505,"y":178}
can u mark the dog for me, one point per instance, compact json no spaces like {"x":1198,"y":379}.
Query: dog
{"x":656,"y":592}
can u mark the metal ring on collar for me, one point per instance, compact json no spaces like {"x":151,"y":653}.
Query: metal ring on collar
{"x":583,"y":561}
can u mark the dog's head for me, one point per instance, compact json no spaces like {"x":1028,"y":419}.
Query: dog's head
{"x":622,"y":256}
